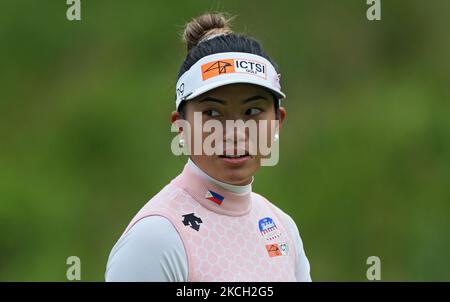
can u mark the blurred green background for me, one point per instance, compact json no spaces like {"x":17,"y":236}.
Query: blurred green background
{"x":365,"y":151}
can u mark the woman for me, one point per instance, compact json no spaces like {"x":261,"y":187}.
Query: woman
{"x":207,"y":224}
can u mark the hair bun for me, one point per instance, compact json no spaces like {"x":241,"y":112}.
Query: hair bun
{"x":206,"y":25}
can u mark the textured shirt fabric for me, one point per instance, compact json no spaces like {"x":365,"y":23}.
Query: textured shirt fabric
{"x":195,"y":229}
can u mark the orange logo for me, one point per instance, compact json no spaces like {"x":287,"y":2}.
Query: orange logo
{"x":215,"y":68}
{"x":273,"y":250}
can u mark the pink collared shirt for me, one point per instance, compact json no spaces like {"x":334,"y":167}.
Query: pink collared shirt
{"x":199,"y":229}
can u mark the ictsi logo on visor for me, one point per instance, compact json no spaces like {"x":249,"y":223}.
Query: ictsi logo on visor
{"x":227,"y":66}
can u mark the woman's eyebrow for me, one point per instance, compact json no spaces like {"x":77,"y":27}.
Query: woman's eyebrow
{"x":212,"y":99}
{"x":253,"y":98}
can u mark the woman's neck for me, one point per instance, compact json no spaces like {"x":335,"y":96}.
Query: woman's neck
{"x":228,"y":187}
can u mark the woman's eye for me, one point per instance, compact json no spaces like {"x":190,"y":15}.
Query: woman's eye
{"x":211,"y":112}
{"x":252,"y":111}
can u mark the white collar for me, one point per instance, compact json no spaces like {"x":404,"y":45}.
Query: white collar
{"x":232,"y":188}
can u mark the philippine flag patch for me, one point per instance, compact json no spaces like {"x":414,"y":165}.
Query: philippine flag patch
{"x":215,"y":197}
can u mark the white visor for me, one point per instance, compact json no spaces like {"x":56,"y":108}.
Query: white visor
{"x":227,"y":68}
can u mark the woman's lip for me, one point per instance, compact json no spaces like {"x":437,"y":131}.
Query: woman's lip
{"x":236,"y":160}
{"x":235,"y":152}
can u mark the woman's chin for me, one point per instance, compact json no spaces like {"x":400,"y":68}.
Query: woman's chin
{"x":237,"y":174}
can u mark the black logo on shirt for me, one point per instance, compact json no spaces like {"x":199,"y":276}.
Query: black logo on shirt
{"x":192,"y":220}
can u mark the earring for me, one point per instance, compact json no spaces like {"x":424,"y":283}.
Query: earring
{"x":181,"y":143}
{"x":276,"y":137}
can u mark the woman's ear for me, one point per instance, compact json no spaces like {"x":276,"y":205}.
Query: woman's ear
{"x":282,"y":111}
{"x":176,"y":116}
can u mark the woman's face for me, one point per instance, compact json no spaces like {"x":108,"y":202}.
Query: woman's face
{"x":232,"y":102}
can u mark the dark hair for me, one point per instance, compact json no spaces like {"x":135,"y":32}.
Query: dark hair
{"x":202,"y":27}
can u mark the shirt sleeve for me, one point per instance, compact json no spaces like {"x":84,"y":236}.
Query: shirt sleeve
{"x":303,"y":273}
{"x":151,"y":251}
{"x":302,"y":270}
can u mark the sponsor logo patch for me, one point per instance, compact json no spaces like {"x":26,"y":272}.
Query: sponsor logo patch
{"x":192,"y":221}
{"x":268,"y":229}
{"x":226,"y":66}
{"x":277,"y":249}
